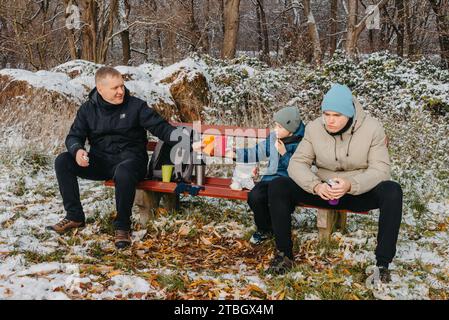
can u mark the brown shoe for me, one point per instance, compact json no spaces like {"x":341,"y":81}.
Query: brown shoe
{"x":122,"y":239}
{"x":65,"y":225}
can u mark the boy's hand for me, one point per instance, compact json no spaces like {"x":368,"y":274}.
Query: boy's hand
{"x":82,"y":158}
{"x":255,"y":172}
{"x":280,"y":147}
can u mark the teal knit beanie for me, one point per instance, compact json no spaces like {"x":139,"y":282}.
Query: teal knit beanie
{"x":339,"y":99}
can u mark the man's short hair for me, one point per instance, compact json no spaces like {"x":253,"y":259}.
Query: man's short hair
{"x":104,"y":72}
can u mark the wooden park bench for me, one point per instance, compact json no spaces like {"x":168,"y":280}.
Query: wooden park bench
{"x":151,"y":192}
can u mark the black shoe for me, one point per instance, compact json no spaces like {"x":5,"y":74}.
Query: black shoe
{"x":280,"y":264}
{"x":384,"y":275}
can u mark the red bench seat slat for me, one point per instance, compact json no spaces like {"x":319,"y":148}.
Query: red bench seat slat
{"x":214,"y":188}
{"x":220,"y":190}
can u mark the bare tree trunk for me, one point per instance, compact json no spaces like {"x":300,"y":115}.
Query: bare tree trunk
{"x":159,"y":47}
{"x":354,"y":29}
{"x":96,"y":34}
{"x":70,"y":34}
{"x":205,"y":35}
{"x":105,"y":36}
{"x":259,"y":30}
{"x":126,"y":47}
{"x":172,"y":45}
{"x":399,"y":4}
{"x":441,"y":9}
{"x":154,"y":7}
{"x":88,"y":31}
{"x":333,"y":27}
{"x":147,"y":44}
{"x":352,"y":21}
{"x":195,"y":35}
{"x":263,"y":31}
{"x":123,"y":14}
{"x":222,"y":10}
{"x":313,"y":32}
{"x":231,"y":25}
{"x":408,"y":30}
{"x":371,"y":41}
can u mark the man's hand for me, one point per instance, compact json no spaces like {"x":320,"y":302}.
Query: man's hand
{"x":82,"y":158}
{"x":280,"y":147}
{"x":324,"y":191}
{"x":341,"y":188}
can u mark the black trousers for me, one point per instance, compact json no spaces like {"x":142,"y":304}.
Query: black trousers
{"x":258,"y":202}
{"x":284,"y":195}
{"x":126,"y":174}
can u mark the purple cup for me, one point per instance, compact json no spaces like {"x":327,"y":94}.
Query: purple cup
{"x":333,"y":202}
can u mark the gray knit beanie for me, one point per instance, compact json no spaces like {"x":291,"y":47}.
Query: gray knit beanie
{"x":289,"y":118}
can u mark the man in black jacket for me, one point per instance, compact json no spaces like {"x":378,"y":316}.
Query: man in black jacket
{"x":115,"y":124}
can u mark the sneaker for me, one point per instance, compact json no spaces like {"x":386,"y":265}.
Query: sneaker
{"x":260,"y":236}
{"x":377,"y":276}
{"x":384,"y":275}
{"x":122,"y":239}
{"x":65,"y":225}
{"x":280,"y":264}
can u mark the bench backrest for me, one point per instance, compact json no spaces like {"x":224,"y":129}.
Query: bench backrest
{"x":221,"y":131}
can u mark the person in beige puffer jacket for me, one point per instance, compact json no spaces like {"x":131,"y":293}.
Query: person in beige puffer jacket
{"x":348,"y":149}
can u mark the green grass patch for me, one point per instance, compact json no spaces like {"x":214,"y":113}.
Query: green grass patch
{"x":106,"y":223}
{"x":34,"y":257}
{"x":172,"y":282}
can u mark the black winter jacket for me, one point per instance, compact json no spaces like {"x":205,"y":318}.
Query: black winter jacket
{"x":116,"y":132}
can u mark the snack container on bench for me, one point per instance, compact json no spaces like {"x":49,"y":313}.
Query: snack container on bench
{"x":209,"y":142}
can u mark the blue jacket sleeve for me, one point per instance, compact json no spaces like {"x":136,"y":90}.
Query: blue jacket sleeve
{"x":256,"y":154}
{"x":285,"y":159}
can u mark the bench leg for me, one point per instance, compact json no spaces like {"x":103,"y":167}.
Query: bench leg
{"x":147,"y":202}
{"x":170,"y":201}
{"x":326,"y":221}
{"x":342,"y":221}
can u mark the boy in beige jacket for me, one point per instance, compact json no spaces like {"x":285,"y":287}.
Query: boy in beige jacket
{"x":349,"y":150}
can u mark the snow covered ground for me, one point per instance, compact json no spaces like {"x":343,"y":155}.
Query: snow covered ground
{"x":36,"y":264}
{"x":203,"y":250}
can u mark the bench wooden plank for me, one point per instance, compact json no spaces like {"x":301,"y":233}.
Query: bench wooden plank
{"x":214,"y":187}
{"x":220,"y":190}
{"x":230,"y":131}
